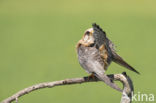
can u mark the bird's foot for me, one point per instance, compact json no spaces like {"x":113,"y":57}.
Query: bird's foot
{"x":92,"y":77}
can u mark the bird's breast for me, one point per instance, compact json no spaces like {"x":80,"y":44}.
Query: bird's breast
{"x":89,"y":58}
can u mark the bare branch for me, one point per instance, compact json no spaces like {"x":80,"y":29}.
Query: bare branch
{"x":126,"y":96}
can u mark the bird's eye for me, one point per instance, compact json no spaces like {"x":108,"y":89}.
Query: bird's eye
{"x":87,"y":33}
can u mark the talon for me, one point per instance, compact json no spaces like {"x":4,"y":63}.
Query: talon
{"x":92,"y":76}
{"x":111,"y":80}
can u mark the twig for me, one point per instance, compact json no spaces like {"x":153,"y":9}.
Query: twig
{"x":127,"y":90}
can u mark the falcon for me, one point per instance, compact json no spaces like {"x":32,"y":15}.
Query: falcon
{"x":96,"y":52}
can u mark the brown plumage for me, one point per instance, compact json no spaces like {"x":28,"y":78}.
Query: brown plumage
{"x":96,"y":52}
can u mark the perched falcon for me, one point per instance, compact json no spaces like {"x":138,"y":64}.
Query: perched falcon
{"x":96,"y":52}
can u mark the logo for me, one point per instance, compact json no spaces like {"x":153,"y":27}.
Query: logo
{"x":142,"y":97}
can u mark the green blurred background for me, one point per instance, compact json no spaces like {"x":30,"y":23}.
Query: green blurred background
{"x":38,"y":38}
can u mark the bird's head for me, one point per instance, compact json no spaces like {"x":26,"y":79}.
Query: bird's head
{"x":87,"y":38}
{"x":94,"y":36}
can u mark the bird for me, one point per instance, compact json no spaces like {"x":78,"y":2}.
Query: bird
{"x":96,"y":52}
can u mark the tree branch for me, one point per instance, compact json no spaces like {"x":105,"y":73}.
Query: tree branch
{"x":126,"y":94}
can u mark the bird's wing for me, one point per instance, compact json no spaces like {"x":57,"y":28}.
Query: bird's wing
{"x":117,"y":59}
{"x":99,"y":35}
{"x":102,"y":41}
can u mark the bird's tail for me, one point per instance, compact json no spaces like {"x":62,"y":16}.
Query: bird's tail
{"x":103,"y":77}
{"x":117,"y":59}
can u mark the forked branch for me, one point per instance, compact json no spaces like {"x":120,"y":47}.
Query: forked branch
{"x":126,"y":94}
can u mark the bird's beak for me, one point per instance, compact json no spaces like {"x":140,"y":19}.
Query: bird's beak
{"x":91,"y":31}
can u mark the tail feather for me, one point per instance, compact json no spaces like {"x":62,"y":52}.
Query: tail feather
{"x":103,"y":77}
{"x":117,"y":59}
